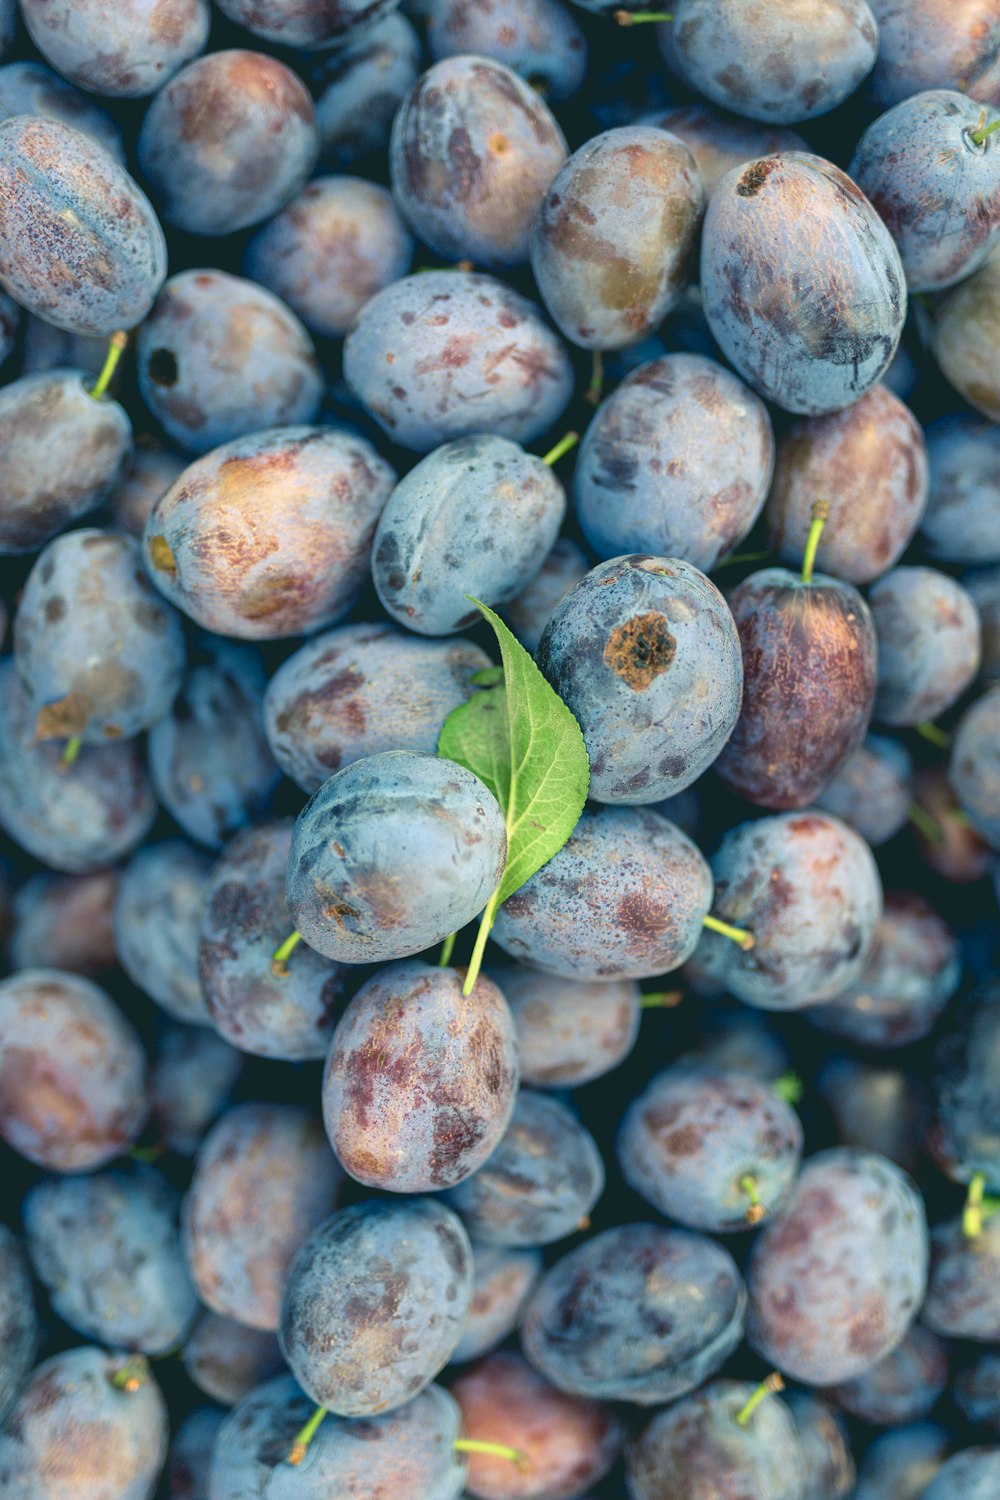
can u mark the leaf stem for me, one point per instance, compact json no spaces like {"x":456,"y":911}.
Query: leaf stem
{"x":131,"y":1375}
{"x":592,"y":395}
{"x":725,"y":929}
{"x":820,"y":512}
{"x":280,"y":956}
{"x":925,"y":824}
{"x":563,"y":446}
{"x":767,"y":1387}
{"x":71,"y":750}
{"x":447,"y":949}
{"x":972,"y":1213}
{"x":755,"y":1209}
{"x":661,"y":1000}
{"x":639,"y":17}
{"x":476,"y":961}
{"x":115,"y":347}
{"x":788,"y":1087}
{"x":492,"y":1450}
{"x":305,"y":1435}
{"x":979,"y":136}
{"x":933,"y":735}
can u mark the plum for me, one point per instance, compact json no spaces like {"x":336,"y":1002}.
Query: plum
{"x":360,"y":85}
{"x":538,"y":39}
{"x":929,"y":644}
{"x":126,"y":49}
{"x":924,"y":45}
{"x":65,"y":922}
{"x":719,"y":141}
{"x":503,"y":1280}
{"x":569,"y":1031}
{"x":873,"y":790}
{"x":975,"y":766}
{"x":963,"y":337}
{"x":227,"y":1360}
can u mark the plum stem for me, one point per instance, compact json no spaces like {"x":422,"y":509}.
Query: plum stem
{"x":305,"y":1435}
{"x":563,"y":446}
{"x":740,"y":557}
{"x":71,"y":750}
{"x":596,"y":386}
{"x":640,"y":17}
{"x":116,"y":346}
{"x":788,"y":1087}
{"x":820,"y":513}
{"x":972,"y":1213}
{"x":146,"y":1153}
{"x":130,"y":1375}
{"x":492,"y":1450}
{"x":476,"y":961}
{"x":933,"y":735}
{"x":924,"y":823}
{"x":280,"y":956}
{"x":767,"y":1387}
{"x":447,"y":949}
{"x":661,"y":1000}
{"x":755,"y":1209}
{"x":979,"y":136}
{"x":735,"y":934}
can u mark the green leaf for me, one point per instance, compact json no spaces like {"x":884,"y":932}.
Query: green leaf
{"x":522,"y":741}
{"x":487,"y":677}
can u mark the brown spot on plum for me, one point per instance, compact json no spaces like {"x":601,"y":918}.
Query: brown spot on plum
{"x":640,"y":650}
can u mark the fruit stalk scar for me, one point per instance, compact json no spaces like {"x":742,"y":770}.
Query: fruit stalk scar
{"x":280,"y":956}
{"x":766,"y":1388}
{"x":305,"y":1435}
{"x":755,"y":1209}
{"x":725,"y":929}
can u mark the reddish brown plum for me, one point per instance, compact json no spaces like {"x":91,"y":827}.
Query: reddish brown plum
{"x":245,"y":917}
{"x":148,"y":475}
{"x":964,"y":337}
{"x":503,"y":1280}
{"x":192,"y":1077}
{"x":808,"y":890}
{"x":869,"y":464}
{"x":123,"y":48}
{"x":613,"y":238}
{"x":336,"y":244}
{"x":837,"y":1280}
{"x":954,"y":849}
{"x":809,"y":677}
{"x":719,"y":141}
{"x":873,"y":789}
{"x":473,"y":150}
{"x":538,"y":39}
{"x":530,"y":611}
{"x":228,"y":142}
{"x":72,"y":1072}
{"x":569,"y":1031}
{"x":264,"y":1178}
{"x":929,"y":644}
{"x":80,"y":245}
{"x":962,"y":520}
{"x":227,"y":1360}
{"x":963,"y":1297}
{"x":269,"y":536}
{"x":902,"y":1387}
{"x":219,"y":357}
{"x":64,"y":922}
{"x":360,"y":85}
{"x":420,"y":1081}
{"x":566,"y":1442}
{"x":315,"y":23}
{"x":925,"y":45}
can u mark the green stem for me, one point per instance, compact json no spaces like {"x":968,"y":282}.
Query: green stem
{"x":476,"y":961}
{"x":972,"y":1214}
{"x":933,"y":735}
{"x":114,"y":354}
{"x":280,"y":956}
{"x":766,"y":1388}
{"x":725,"y":929}
{"x":146,"y":1153}
{"x":305,"y":1435}
{"x":741,"y":557}
{"x":980,"y":135}
{"x":662,"y":1000}
{"x":563,"y":446}
{"x":596,"y":386}
{"x":447,"y":949}
{"x":820,"y":512}
{"x":755,"y":1209}
{"x":639,"y":17}
{"x":788,"y":1087}
{"x":492,"y":1450}
{"x":130,"y":1375}
{"x":924,"y":823}
{"x":71,"y":750}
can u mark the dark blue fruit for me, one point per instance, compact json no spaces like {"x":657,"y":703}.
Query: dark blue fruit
{"x":568,"y":1031}
{"x":30,"y":88}
{"x":963,"y":1294}
{"x":973,"y":1474}
{"x":873,"y":790}
{"x":902,"y":1387}
{"x":503,"y":1281}
{"x":975,"y":766}
{"x":538,"y":39}
{"x":192,"y":1076}
{"x":360,"y":85}
{"x":929,"y":644}
{"x":826,"y":1447}
{"x":227,"y":1360}
{"x":962,"y":326}
{"x":900,"y":1465}
{"x":18,"y":1322}
{"x":530,"y":611}
{"x":157,"y":916}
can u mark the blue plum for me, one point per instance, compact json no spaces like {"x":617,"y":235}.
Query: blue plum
{"x":639,"y":1313}
{"x":209,"y":759}
{"x":719,"y":141}
{"x":983,"y":588}
{"x":107,"y":1250}
{"x":955,"y":849}
{"x":18,"y":1321}
{"x":192,"y":1076}
{"x":529,"y":612}
{"x":148,"y":475}
{"x":227,"y":142}
{"x":360,"y":85}
{"x":227,"y":1360}
{"x":540,"y":1183}
{"x":128,"y":49}
{"x":289,"y":23}
{"x":935,"y":187}
{"x":873,"y":790}
{"x":72,"y":1072}
{"x":568,"y":1031}
{"x":836,"y":1281}
{"x":157,"y":916}
{"x":503,"y":1280}
{"x":977,"y":1392}
{"x":973,"y":1474}
{"x":678,"y":460}
{"x":391,"y":855}
{"x":80,"y":245}
{"x":975,"y":766}
{"x":625,"y":898}
{"x":699,"y":1448}
{"x":899,"y":1465}
{"x":963,"y":1294}
{"x":473,"y":150}
{"x":244,"y":917}
{"x":46,"y":347}
{"x":65,"y":922}
{"x":645,"y":653}
{"x":263,"y":1180}
{"x":902,"y":1387}
{"x":712,"y":1150}
{"x":330,"y":250}
{"x":61,"y":454}
{"x":30,"y":88}
{"x":964,"y":1137}
{"x":613,"y":239}
{"x":826,"y":1447}
{"x":870,"y":464}
{"x":78,"y":822}
{"x":738,"y":1040}
{"x":362,"y":689}
{"x":929,"y":644}
{"x":269,"y":536}
{"x":962,"y":520}
{"x":409,"y":1453}
{"x":802,"y":284}
{"x":780,"y":64}
{"x":191,"y":1445}
{"x":437,"y":538}
{"x":924,"y":45}
{"x":219,"y":357}
{"x":538,"y":39}
{"x":963,"y":328}
{"x":913,"y":969}
{"x":375,"y":1303}
{"x":449,"y":353}
{"x":10,"y":323}
{"x":88,"y":1425}
{"x":878,"y":1108}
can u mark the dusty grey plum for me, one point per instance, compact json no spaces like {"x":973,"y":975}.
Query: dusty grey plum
{"x":148,"y":475}
{"x":807,"y":887}
{"x":677,"y":462}
{"x":227,"y":1360}
{"x":46,"y":347}
{"x":613,"y":238}
{"x":192,"y":1076}
{"x":65,"y":922}
{"x":538,"y":39}
{"x":157,"y":915}
{"x":123,"y":48}
{"x":80,"y":245}
{"x":873,"y":789}
{"x":965,"y":337}
{"x":802,"y":284}
{"x":719,"y":141}
{"x":191,"y":1445}
{"x":826,"y":1447}
{"x":975,"y":766}
{"x":929,"y":644}
{"x":529,"y":612}
{"x":18,"y":1321}
{"x":362,"y":689}
{"x":625,"y":898}
{"x":449,"y":353}
{"x":264,"y":1178}
{"x":923,"y":45}
{"x":899,"y":1465}
{"x":30,"y":88}
{"x":420,"y":1081}
{"x":503,"y":1280}
{"x":568,"y":1031}
{"x":229,"y":140}
{"x":837,"y":1280}
{"x":391,"y":855}
{"x":330,"y":250}
{"x":473,"y":150}
{"x":290,"y":23}
{"x":869,"y":463}
{"x":902,"y":1387}
{"x":219,"y":357}
{"x":963,"y":1297}
{"x":972,"y":1474}
{"x":962,"y":520}
{"x":476,"y":516}
{"x":269,"y":536}
{"x":72,"y":1072}
{"x":360,"y":85}
{"x":977,"y":1392}
{"x":983,"y":587}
